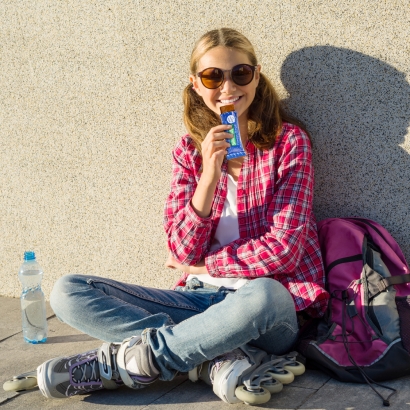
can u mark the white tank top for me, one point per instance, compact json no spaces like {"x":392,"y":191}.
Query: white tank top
{"x":226,"y":232}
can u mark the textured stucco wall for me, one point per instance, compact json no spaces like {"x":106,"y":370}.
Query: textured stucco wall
{"x":90,"y":107}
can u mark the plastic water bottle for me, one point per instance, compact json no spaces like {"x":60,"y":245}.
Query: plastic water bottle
{"x":33,"y":306}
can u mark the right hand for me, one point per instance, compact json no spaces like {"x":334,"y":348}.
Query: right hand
{"x":214,"y":150}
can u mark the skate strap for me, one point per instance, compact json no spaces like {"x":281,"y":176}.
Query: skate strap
{"x":104,"y":361}
{"x":125,"y":377}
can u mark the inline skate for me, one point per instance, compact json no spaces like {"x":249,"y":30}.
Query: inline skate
{"x":248,"y":374}
{"x":128,"y":363}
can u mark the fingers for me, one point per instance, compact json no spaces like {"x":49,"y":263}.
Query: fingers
{"x":216,"y":139}
{"x":220,"y":129}
{"x":219,"y":133}
{"x":167,"y":265}
{"x":170,"y":262}
{"x":216,"y":145}
{"x":214,"y":148}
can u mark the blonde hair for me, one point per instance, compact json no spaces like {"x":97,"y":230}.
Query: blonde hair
{"x":266,"y":114}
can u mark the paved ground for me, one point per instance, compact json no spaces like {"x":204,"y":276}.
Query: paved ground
{"x":311,"y":391}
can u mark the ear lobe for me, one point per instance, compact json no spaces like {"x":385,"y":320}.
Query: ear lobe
{"x":258,"y":74}
{"x":194,"y":82}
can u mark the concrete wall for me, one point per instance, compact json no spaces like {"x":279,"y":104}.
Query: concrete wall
{"x":90,"y":107}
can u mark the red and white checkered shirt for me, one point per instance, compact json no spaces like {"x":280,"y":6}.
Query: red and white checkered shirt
{"x":277,"y":228}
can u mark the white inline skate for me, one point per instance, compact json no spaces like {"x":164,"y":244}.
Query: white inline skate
{"x":248,"y":374}
{"x":128,"y":363}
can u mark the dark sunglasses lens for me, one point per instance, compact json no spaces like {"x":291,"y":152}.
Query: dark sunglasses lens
{"x":242,"y":74}
{"x":212,"y":77}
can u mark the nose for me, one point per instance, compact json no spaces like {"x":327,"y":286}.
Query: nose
{"x":228,"y":85}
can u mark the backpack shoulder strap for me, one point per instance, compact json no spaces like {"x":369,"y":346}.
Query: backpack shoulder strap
{"x":393,"y":280}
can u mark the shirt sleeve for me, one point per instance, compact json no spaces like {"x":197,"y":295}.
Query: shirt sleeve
{"x":188,"y":235}
{"x":280,"y":250}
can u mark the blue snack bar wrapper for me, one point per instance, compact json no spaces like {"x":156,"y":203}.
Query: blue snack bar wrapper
{"x":230,"y":117}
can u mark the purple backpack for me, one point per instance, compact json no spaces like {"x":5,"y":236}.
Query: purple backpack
{"x":365,"y":334}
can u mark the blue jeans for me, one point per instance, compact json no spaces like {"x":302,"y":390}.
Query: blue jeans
{"x":184,"y":327}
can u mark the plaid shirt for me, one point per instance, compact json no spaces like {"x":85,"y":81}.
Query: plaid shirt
{"x":277,"y":228}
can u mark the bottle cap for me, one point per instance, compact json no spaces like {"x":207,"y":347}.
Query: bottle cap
{"x":29,"y":256}
{"x":227,"y":108}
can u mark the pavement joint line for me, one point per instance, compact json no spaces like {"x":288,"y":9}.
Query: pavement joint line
{"x":164,"y":394}
{"x":307,"y":398}
{"x":12,"y":398}
{"x":312,"y":394}
{"x":8,"y":337}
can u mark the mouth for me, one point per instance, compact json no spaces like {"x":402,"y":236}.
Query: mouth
{"x":231,"y":100}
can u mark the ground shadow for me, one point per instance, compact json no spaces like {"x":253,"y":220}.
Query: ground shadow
{"x":358,"y":111}
{"x":179,"y":392}
{"x":70,"y":339}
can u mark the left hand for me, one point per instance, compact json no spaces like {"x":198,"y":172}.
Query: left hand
{"x":172,"y":263}
{"x":198,"y":269}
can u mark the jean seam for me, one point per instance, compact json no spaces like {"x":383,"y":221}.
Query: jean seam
{"x":287,"y":325}
{"x":115,"y":285}
{"x":130,"y":304}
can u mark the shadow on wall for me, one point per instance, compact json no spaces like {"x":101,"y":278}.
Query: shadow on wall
{"x":357,"y":109}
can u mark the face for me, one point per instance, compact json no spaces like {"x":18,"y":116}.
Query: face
{"x":229,"y":92}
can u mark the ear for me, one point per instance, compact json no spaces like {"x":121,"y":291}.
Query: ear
{"x":195,"y":83}
{"x":258,"y":74}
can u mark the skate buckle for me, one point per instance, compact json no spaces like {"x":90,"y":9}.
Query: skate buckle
{"x":104,"y":361}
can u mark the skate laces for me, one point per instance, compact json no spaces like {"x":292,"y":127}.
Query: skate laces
{"x":88,"y":372}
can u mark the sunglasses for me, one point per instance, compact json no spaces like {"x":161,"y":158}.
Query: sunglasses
{"x":241,"y":74}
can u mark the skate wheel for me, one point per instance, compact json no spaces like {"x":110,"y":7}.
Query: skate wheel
{"x":272,"y":386}
{"x":252,"y":397}
{"x":20,"y":383}
{"x":284,"y":376}
{"x":296,"y":368}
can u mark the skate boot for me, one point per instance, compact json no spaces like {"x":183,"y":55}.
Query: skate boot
{"x":236,"y":376}
{"x":128,"y":363}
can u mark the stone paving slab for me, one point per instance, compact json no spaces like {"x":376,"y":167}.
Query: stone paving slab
{"x":180,"y":394}
{"x":18,"y":357}
{"x":200,"y":395}
{"x":122,"y":398}
{"x":312,"y":379}
{"x":311,"y":391}
{"x":335,"y":395}
{"x":62,"y":340}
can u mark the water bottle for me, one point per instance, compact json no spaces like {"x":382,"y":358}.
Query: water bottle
{"x":33,"y":306}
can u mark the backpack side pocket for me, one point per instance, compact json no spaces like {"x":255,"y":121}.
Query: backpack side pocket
{"x":403,"y":307}
{"x":380,"y":302}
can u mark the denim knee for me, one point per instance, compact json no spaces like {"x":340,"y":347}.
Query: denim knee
{"x":266,"y":294}
{"x":60,"y":299}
